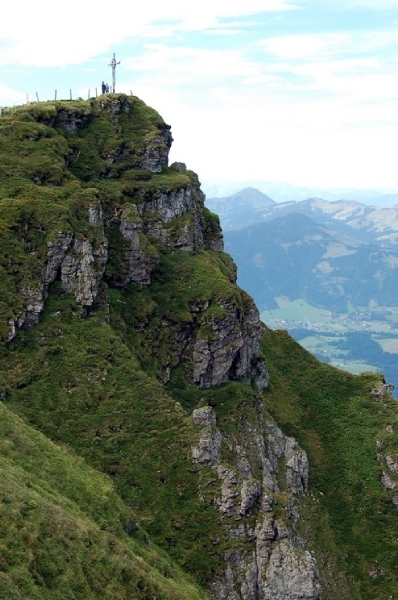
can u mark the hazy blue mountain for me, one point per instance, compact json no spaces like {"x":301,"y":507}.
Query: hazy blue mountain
{"x":243,"y":208}
{"x":293,"y":256}
{"x":324,"y":286}
{"x":365,"y":223}
{"x":285,"y":192}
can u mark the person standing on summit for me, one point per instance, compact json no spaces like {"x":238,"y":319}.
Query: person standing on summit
{"x":103,"y":87}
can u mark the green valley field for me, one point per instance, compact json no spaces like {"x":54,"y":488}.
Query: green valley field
{"x":353,"y":341}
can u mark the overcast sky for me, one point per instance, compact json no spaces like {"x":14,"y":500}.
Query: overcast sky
{"x":304,"y":92}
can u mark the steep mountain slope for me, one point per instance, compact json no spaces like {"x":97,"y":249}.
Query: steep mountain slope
{"x":126,"y":342}
{"x":64,"y":531}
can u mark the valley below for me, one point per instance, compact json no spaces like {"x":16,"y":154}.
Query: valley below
{"x":364,"y":339}
{"x":324,"y":271}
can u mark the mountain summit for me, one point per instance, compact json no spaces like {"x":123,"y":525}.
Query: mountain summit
{"x":157,"y":440}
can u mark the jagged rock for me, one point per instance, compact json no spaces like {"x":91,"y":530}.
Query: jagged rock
{"x":216,"y":244}
{"x":71,"y":121}
{"x":171,"y":205}
{"x":250,"y":493}
{"x":95,"y":215}
{"x":205,"y":417}
{"x":242,"y":462}
{"x":296,"y":467}
{"x":156,"y":153}
{"x":179,"y":166}
{"x":230,"y":491}
{"x":34,"y":296}
{"x":392,"y":463}
{"x":188,"y":235}
{"x":385,"y":388}
{"x":267,"y":559}
{"x":116,"y":105}
{"x":224,"y":587}
{"x":277,"y":568}
{"x":232,"y":351}
{"x":209,"y":448}
{"x":82,"y":270}
{"x":388,"y":483}
{"x":55,"y":255}
{"x":295,"y":459}
{"x":291,"y":575}
{"x":389,"y":479}
{"x":140,"y":263}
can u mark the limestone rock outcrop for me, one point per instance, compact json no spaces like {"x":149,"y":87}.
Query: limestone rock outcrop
{"x":173,"y":218}
{"x":82,"y":270}
{"x":266,"y":559}
{"x":78,"y":263}
{"x":156,"y":154}
{"x":231,"y":351}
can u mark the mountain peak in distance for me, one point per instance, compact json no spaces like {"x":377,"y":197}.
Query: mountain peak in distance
{"x":253,"y":196}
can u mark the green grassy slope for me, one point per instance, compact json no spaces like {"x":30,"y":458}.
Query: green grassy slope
{"x":65,"y":533}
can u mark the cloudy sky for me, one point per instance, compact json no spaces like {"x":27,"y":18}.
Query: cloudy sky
{"x":298,"y":91}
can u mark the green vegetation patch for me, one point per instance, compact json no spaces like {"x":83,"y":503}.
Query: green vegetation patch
{"x":64,"y":532}
{"x":78,"y":382}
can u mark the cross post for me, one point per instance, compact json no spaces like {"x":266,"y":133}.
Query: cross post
{"x":113,"y":64}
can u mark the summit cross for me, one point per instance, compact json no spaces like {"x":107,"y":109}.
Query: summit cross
{"x":113,"y":64}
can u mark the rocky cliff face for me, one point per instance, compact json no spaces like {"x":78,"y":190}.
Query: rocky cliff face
{"x":119,"y":228}
{"x":266,"y":559}
{"x":172,"y":218}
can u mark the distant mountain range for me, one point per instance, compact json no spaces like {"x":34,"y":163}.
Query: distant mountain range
{"x":365,"y":223}
{"x":323,"y":270}
{"x":296,"y":257}
{"x":285,"y":192}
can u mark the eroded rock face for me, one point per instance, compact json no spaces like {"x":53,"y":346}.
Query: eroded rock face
{"x":78,"y":263}
{"x":157,"y":149}
{"x":266,"y":559}
{"x":157,"y":219}
{"x":389,"y":478}
{"x":209,"y":446}
{"x":231,"y":351}
{"x":140,"y":263}
{"x":82,"y":270}
{"x":389,"y":463}
{"x":291,"y":575}
{"x":176,"y":220}
{"x":71,"y":121}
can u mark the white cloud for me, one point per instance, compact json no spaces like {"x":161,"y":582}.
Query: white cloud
{"x":182,"y":64}
{"x":311,"y":108}
{"x":328,"y":45}
{"x":10,"y":96}
{"x":38,"y":35}
{"x":299,"y":47}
